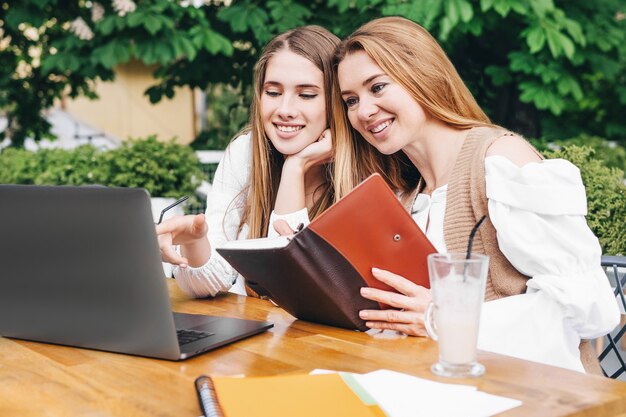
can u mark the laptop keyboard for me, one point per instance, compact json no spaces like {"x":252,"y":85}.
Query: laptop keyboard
{"x":189,"y":336}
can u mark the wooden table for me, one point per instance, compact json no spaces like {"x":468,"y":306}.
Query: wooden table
{"x":45,"y":380}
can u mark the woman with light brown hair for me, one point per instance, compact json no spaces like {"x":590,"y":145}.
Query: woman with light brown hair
{"x":414,"y":121}
{"x":278,"y":168}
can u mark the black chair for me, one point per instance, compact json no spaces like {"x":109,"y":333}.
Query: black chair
{"x":612,"y":264}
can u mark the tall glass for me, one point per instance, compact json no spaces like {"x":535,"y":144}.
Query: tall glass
{"x":453,"y":316}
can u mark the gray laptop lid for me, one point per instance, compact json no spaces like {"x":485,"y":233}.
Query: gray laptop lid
{"x":80,"y":266}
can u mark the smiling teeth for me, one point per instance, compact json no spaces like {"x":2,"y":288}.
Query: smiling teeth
{"x":288,"y":129}
{"x":381,"y":126}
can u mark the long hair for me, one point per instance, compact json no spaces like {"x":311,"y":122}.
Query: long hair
{"x":410,"y":56}
{"x":317,"y":45}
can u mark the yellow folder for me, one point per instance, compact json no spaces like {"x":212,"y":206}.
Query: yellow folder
{"x":291,"y":396}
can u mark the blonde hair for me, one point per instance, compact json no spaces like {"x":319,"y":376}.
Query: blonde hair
{"x":317,"y":45}
{"x":410,"y":56}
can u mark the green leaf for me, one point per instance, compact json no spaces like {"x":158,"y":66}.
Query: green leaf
{"x":555,"y":104}
{"x":486,"y":5}
{"x":216,"y":43}
{"x":423,"y":13}
{"x":475,"y":27}
{"x":542,"y":7}
{"x":106,"y":55}
{"x":521,"y":62}
{"x":343,"y":5}
{"x":520,"y":7}
{"x":433,"y":10}
{"x":445,"y":26}
{"x":189,"y":49}
{"x":554,"y":42}
{"x":72,"y":63}
{"x":499,"y":75}
{"x":568,"y":85}
{"x":18,"y":15}
{"x":122,"y":51}
{"x":452,"y":13}
{"x":575,"y":31}
{"x":467,"y":11}
{"x":503,"y":7}
{"x":152,"y":24}
{"x":236,"y":15}
{"x":136,"y":19}
{"x":530,"y":90}
{"x":567,"y":45}
{"x":147,"y":51}
{"x":536,"y":39}
{"x":106,"y":25}
{"x":257,"y":18}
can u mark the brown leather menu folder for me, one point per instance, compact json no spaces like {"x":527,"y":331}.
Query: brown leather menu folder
{"x":316,"y":275}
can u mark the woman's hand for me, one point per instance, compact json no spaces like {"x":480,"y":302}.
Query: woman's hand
{"x":189,"y":232}
{"x":412,"y":300}
{"x":292,"y":190}
{"x":316,"y":153}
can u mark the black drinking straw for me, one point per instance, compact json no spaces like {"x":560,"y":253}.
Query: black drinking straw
{"x":471,"y":236}
{"x":470,"y":242}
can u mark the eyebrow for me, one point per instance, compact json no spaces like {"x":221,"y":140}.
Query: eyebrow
{"x":297,"y":86}
{"x":366,"y":82}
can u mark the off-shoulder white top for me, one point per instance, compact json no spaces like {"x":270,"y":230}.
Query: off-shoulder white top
{"x":538,"y":212}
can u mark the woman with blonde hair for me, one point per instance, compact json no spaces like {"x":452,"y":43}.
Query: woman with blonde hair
{"x":414,"y":121}
{"x":279,"y":168}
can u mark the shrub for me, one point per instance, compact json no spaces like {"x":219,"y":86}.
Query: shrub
{"x":18,"y":166}
{"x":612,"y":154}
{"x":82,"y":165}
{"x":165,"y":169}
{"x":606,"y":196}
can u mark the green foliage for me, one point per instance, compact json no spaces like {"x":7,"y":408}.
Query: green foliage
{"x":164,"y":169}
{"x":18,"y":166}
{"x":82,"y":165}
{"x":611,"y":154}
{"x":227,"y":114}
{"x":545,"y":68}
{"x":606,"y":197}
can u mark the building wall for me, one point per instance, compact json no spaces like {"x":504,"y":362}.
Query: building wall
{"x":123,"y":110}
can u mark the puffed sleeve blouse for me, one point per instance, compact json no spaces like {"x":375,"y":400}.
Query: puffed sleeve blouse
{"x":223,"y":216}
{"x":538,"y":211}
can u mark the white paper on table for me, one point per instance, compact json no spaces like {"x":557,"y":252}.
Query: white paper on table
{"x":402,"y":395}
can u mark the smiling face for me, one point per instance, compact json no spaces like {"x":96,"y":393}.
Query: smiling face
{"x":380,"y":109}
{"x":293,"y":107}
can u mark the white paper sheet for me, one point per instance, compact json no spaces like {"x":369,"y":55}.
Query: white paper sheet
{"x":402,"y":395}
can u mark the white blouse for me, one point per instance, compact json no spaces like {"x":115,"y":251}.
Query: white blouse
{"x":223,"y":215}
{"x":538,"y":212}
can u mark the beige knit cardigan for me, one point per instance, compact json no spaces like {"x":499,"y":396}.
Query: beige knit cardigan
{"x":466,"y":204}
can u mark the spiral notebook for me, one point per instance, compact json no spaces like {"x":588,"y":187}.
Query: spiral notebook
{"x":334,"y":394}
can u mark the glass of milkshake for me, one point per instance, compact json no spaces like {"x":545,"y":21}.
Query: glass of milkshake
{"x":452,"y":318}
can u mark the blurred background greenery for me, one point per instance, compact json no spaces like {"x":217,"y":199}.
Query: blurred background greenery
{"x":554,"y":71}
{"x":547,"y":69}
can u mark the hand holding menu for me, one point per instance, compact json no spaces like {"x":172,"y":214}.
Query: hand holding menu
{"x":317,"y":274}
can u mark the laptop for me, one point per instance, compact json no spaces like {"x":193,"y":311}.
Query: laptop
{"x":80,"y":266}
